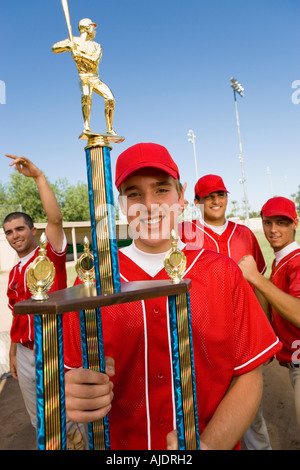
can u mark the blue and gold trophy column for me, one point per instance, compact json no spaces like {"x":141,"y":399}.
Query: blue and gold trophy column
{"x":102,"y":213}
{"x":106,"y":264}
{"x":49,"y":362}
{"x":182,"y":353}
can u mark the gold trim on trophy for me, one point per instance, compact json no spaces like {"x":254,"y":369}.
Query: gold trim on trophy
{"x":175,"y":261}
{"x":41,"y":272}
{"x":103,"y":140}
{"x":85,"y":265}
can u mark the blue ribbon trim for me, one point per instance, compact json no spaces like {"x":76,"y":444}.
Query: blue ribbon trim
{"x":39,"y":374}
{"x":63,"y":420}
{"x":85,"y":365}
{"x":93,"y":222}
{"x":177,"y":375}
{"x":111,"y":220}
{"x":193,"y":370}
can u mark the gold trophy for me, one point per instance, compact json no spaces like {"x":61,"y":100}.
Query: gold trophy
{"x":175,"y":261}
{"x":41,"y":273}
{"x":88,"y":298}
{"x":182,"y":352}
{"x":85,"y":265}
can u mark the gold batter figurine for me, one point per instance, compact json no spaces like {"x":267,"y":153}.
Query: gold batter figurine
{"x":87,"y":55}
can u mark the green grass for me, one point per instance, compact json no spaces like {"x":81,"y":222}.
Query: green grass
{"x":71,"y":275}
{"x":267,"y":251}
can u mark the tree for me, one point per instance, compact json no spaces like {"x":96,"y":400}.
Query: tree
{"x":297,"y":200}
{"x":23,"y":191}
{"x":75,"y":206}
{"x":234,"y":209}
{"x":3,"y":198}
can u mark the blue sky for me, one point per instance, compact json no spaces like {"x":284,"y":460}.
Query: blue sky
{"x":169,"y":65}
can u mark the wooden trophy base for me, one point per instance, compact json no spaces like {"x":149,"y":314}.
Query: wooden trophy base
{"x":83,"y":297}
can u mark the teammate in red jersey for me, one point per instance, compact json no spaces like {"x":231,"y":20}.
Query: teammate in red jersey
{"x":214,"y":232}
{"x":231,"y":335}
{"x":282,"y":291}
{"x":20,"y":233}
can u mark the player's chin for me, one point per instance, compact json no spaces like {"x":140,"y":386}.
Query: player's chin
{"x":275,"y":242}
{"x":216,"y":215}
{"x":155,"y":239}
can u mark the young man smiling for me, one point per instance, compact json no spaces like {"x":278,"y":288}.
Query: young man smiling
{"x":20,"y":233}
{"x":282,"y":291}
{"x":214,"y":232}
{"x":231,"y":335}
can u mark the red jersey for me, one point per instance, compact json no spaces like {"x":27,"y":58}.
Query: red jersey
{"x":286,"y":276}
{"x":22,"y":329}
{"x":236,"y":241}
{"x":231,"y":336}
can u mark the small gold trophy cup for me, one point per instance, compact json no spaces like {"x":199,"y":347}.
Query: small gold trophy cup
{"x":182,"y":352}
{"x":41,"y":273}
{"x":175,"y":261}
{"x":84,"y":267}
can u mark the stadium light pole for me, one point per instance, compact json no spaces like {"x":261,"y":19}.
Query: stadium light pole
{"x":237,"y":88}
{"x":286,"y":186}
{"x":271,"y":180}
{"x":192,"y":138}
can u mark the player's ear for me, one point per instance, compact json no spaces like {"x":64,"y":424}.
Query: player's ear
{"x":296,"y":223}
{"x":182,"y":201}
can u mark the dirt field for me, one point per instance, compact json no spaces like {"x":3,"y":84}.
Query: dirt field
{"x":18,"y":434}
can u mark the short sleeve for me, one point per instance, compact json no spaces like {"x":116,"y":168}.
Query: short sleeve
{"x":294,"y":281}
{"x":255,"y":340}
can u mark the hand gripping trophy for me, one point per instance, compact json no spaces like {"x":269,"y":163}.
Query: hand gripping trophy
{"x":87,"y":55}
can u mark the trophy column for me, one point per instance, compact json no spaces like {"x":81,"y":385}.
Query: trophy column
{"x":50,"y":384}
{"x":103,"y":228}
{"x":106,"y":265}
{"x":182,"y":353}
{"x":48,"y":342}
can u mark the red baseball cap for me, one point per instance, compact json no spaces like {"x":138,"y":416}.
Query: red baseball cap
{"x":144,"y":156}
{"x":279,"y":206}
{"x":209,"y":184}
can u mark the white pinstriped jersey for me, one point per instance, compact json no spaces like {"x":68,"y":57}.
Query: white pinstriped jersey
{"x":236,"y":241}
